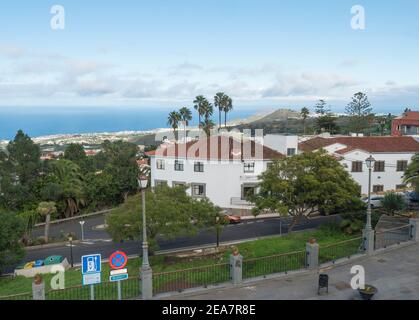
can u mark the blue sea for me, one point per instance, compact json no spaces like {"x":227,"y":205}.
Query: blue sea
{"x":37,"y":121}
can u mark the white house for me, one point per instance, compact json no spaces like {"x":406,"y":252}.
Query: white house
{"x":392,"y":155}
{"x":220,"y":168}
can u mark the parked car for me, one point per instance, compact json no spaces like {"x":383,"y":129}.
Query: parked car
{"x":413,"y":196}
{"x":375,"y":201}
{"x":232,"y":219}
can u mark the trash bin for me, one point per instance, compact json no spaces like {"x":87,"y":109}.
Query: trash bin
{"x":53,"y":260}
{"x":323,"y":283}
{"x":38,"y":263}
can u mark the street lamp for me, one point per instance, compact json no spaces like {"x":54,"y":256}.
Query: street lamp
{"x":370,"y":161}
{"x":70,"y":239}
{"x":146,"y":272}
{"x":82,"y":229}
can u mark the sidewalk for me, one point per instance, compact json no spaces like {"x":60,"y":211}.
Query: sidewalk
{"x":394,"y":273}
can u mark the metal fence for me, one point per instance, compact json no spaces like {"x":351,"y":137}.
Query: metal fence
{"x":22,"y":296}
{"x":179,"y":280}
{"x":394,"y":236}
{"x":340,"y":250}
{"x":280,"y":263}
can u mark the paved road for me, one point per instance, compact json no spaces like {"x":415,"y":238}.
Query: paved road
{"x":246,"y":230}
{"x":394,"y":273}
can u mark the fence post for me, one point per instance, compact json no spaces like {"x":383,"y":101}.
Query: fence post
{"x":236,"y":267}
{"x":312,"y":253}
{"x":38,"y":288}
{"x":369,"y":240}
{"x":414,"y":229}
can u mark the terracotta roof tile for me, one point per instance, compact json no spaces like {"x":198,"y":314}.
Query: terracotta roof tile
{"x":217,"y":147}
{"x":369,"y":144}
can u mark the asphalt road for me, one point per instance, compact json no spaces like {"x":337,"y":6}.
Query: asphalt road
{"x":99,"y":241}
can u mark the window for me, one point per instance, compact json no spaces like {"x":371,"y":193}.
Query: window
{"x":402,"y":165}
{"x":379,"y":166}
{"x":377,"y":188}
{"x":160,"y":183}
{"x":160,"y":164}
{"x":400,"y":187}
{"x":198,"y":190}
{"x":178,"y":165}
{"x":291,"y":152}
{"x":356,"y":166}
{"x":177,"y":184}
{"x":199,"y":167}
{"x":249,"y":167}
{"x":248,"y":191}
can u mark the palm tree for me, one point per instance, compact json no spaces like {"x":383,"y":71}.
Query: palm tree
{"x":198,"y":105}
{"x":185,"y":116}
{"x":173,"y":120}
{"x":220,"y":101}
{"x":304,"y":115}
{"x":45,"y":209}
{"x":227,"y":108}
{"x":68,"y":182}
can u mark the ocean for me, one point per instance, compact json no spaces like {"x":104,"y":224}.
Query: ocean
{"x":36,"y":121}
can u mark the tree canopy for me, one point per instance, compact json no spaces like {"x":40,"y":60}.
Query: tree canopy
{"x":305,"y":184}
{"x":12,"y":229}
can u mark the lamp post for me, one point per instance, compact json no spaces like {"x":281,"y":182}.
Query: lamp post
{"x":146,"y":272}
{"x":82,"y":229}
{"x":70,"y":239}
{"x":368,"y":231}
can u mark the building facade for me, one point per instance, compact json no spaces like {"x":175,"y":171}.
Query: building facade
{"x":220,"y":168}
{"x":406,"y":125}
{"x":392,"y":155}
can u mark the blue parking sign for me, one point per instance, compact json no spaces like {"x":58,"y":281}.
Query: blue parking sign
{"x":91,"y":263}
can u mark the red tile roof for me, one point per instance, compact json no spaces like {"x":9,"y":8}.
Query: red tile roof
{"x":369,"y":144}
{"x":217,"y":147}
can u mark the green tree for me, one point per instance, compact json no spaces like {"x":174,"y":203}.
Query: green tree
{"x":170,"y":213}
{"x":360,"y":111}
{"x":393,"y":203}
{"x":65,"y":186}
{"x":321,"y":108}
{"x":46,"y":209}
{"x":173,"y":120}
{"x":305,"y":184}
{"x":304,"y":113}
{"x":220,"y":102}
{"x":75,"y":152}
{"x":227,"y":108}
{"x":412,"y":173}
{"x":199,"y":106}
{"x":12,"y":229}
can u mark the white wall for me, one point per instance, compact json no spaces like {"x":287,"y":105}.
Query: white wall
{"x":389,"y":178}
{"x":281,"y":143}
{"x":223,"y":180}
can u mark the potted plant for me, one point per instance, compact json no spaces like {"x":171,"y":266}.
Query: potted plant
{"x":368,"y":292}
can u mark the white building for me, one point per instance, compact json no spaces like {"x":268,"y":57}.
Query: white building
{"x":392,"y":155}
{"x":220,"y":168}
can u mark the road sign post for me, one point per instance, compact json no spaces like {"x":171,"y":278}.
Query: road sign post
{"x":91,"y":271}
{"x":117,"y":261}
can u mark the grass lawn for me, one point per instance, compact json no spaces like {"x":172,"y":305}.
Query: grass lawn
{"x":166,"y":264}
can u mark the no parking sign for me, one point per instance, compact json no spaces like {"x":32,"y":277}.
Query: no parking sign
{"x":118,"y":260}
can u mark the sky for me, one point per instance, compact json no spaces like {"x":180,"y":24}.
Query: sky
{"x":154,"y":53}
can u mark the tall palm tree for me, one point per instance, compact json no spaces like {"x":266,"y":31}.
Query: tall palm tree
{"x":304,"y":115}
{"x":199,"y":106}
{"x":208,"y":111}
{"x":227,"y":108}
{"x":220,"y":101}
{"x":185,"y":116}
{"x":45,"y":209}
{"x":173,"y":120}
